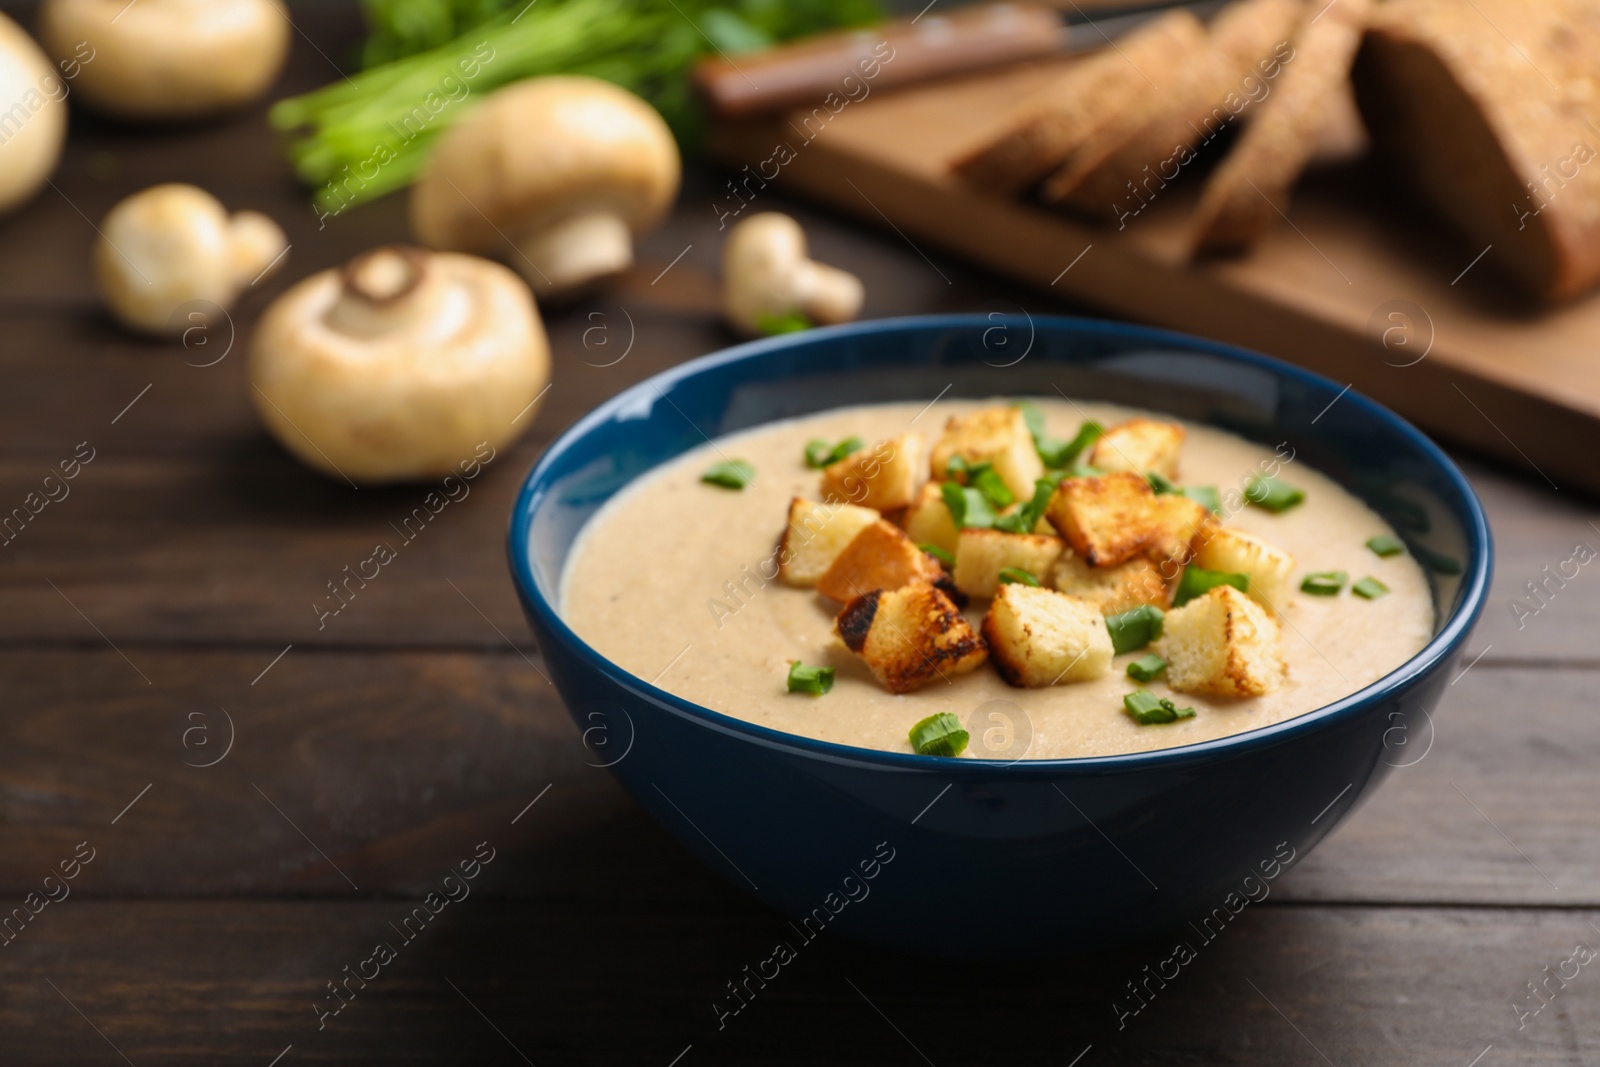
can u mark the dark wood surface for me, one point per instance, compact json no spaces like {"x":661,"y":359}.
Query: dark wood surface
{"x":159,"y":598}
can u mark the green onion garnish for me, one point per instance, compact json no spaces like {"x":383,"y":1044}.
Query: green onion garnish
{"x":1147,"y":668}
{"x":789,"y":322}
{"x":967,"y":506}
{"x":1271,"y":494}
{"x":1134,"y":629}
{"x":1197,"y":582}
{"x":1369,"y":588}
{"x":813,"y":680}
{"x":991,"y":485}
{"x":1327,"y":583}
{"x":1025,"y":518}
{"x":1206,"y":496}
{"x":820,"y":454}
{"x":937,"y":553}
{"x":1148,"y":709}
{"x":1161,"y":483}
{"x":1032,"y":416}
{"x":734,"y":474}
{"x":1060,"y":454}
{"x":1385,"y":546}
{"x":1083,"y":470}
{"x":939,"y":735}
{"x":1017,"y":575}
{"x":1439,"y":563}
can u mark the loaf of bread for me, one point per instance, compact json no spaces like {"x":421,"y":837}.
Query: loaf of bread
{"x":1481,"y":103}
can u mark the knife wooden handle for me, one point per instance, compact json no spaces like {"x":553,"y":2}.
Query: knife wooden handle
{"x":896,"y":53}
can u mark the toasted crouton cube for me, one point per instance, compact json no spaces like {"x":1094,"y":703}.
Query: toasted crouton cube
{"x":929,"y":522}
{"x":1223,"y":643}
{"x":880,"y":557}
{"x":982,"y":554}
{"x":1112,"y":589}
{"x":1140,"y":446}
{"x":1039,"y":637}
{"x":1176,"y":520}
{"x":1107,"y":520}
{"x":1268,"y":567}
{"x":997,"y":436}
{"x":815,"y":536}
{"x":887,"y":476}
{"x":910,"y":636}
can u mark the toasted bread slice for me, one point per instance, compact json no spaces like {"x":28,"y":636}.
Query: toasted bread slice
{"x":1107,"y":520}
{"x":1269,"y":568}
{"x":815,"y":536}
{"x":880,"y":557}
{"x":982,"y":554}
{"x":1039,"y":637}
{"x":1050,"y":126}
{"x":887,"y":476}
{"x":1223,"y":643}
{"x":1140,"y":446}
{"x":998,"y":436}
{"x":929,"y":522}
{"x":1249,"y":192}
{"x":1111,"y":589}
{"x":910,"y":636}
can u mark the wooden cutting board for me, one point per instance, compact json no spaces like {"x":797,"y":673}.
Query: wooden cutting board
{"x":1359,"y":283}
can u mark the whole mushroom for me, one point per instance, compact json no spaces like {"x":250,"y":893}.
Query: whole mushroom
{"x":768,"y":278}
{"x":172,"y":245}
{"x":401,"y":365}
{"x":33,"y":116}
{"x":566,"y":168}
{"x":168,"y":59}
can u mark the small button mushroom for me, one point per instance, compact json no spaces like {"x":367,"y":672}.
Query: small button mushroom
{"x":171,"y":245}
{"x":400,"y":366}
{"x":568,"y":169}
{"x":767,"y":278}
{"x":167,"y":59}
{"x":33,"y":117}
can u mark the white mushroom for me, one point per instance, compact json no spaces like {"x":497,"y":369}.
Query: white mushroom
{"x":168,"y":59}
{"x":33,"y":117}
{"x":767,"y":277}
{"x":567,"y":169}
{"x":400,"y":366}
{"x":172,"y":245}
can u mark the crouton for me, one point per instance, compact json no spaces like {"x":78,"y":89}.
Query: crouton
{"x":1107,"y":520}
{"x":1176,"y":520}
{"x":1039,"y":637}
{"x":998,"y":436}
{"x":982,"y":554}
{"x":815,"y":536}
{"x":929,"y":522}
{"x":1111,"y":589}
{"x":1223,"y":643}
{"x":1268,"y":567}
{"x":1140,"y":446}
{"x":880,"y":557}
{"x":910,"y":636}
{"x":887,"y":476}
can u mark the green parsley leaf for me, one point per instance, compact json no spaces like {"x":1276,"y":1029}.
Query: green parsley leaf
{"x":734,"y":474}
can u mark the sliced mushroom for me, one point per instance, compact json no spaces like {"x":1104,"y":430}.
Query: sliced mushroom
{"x":400,"y":366}
{"x":554,"y":175}
{"x":33,"y":116}
{"x":172,"y":245}
{"x":168,"y":59}
{"x":767,"y":277}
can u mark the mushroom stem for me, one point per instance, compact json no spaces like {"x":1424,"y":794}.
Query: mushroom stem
{"x":386,"y":290}
{"x":575,"y":251}
{"x":825,"y":294}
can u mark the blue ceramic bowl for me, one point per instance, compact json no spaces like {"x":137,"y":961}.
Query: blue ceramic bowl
{"x":976,"y":858}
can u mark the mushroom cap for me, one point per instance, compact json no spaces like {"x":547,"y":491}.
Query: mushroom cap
{"x":33,"y":124}
{"x":400,"y":366}
{"x":167,"y":59}
{"x":540,"y":151}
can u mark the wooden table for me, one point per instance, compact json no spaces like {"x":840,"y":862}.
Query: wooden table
{"x":169,"y":598}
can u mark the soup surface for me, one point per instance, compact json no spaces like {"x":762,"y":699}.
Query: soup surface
{"x":672,"y":580}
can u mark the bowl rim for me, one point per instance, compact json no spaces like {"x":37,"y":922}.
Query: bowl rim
{"x":1476,"y":574}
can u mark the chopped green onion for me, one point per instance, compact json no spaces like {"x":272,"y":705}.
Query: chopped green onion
{"x":1032,"y":416}
{"x":991,"y":485}
{"x":1025,"y":518}
{"x":1134,"y":629}
{"x":1161,"y":483}
{"x":813,"y":680}
{"x":1198,"y":582}
{"x":967,"y":506}
{"x":734,"y":474}
{"x":1061,"y":454}
{"x":1206,"y":496}
{"x":820,"y":454}
{"x":956,"y":464}
{"x":1148,"y":709}
{"x":1439,"y":563}
{"x":1369,"y":588}
{"x":1327,"y":583}
{"x":1385,"y":546}
{"x":1271,"y":494}
{"x":939,"y":735}
{"x":937,"y":553}
{"x":1017,"y":575}
{"x":790,"y":322}
{"x":1083,"y":470}
{"x":1147,"y":668}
